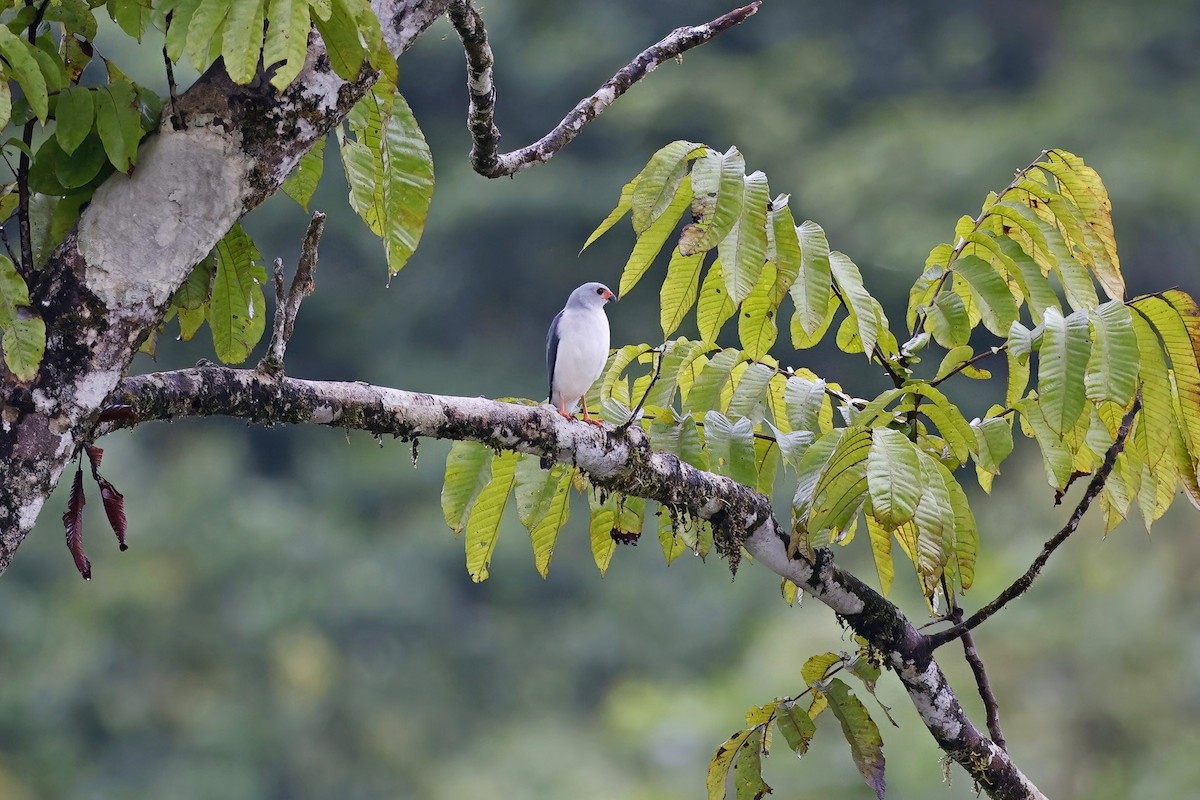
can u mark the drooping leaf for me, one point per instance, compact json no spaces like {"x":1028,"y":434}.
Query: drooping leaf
{"x":747,"y":769}
{"x":243,"y":39}
{"x":990,"y":291}
{"x":342,"y":42}
{"x":757,"y":327}
{"x":743,"y":250}
{"x":842,"y":487}
{"x":679,"y":290}
{"x":861,"y":732}
{"x":717,"y":192}
{"x":705,"y":393}
{"x":867,"y":311}
{"x":812,"y":290}
{"x":237,"y":312}
{"x":750,"y":390}
{"x":1062,"y":362}
{"x":468,"y":470}
{"x":286,"y":44}
{"x":881,"y":550}
{"x":730,"y":446}
{"x":22,"y":66}
{"x":549,"y":513}
{"x":783,"y":248}
{"x":483,"y":524}
{"x":658,"y":184}
{"x":893,"y":477}
{"x":624,"y":203}
{"x":718,"y":768}
{"x":604,"y":520}
{"x":73,"y":522}
{"x":815,"y":667}
{"x":73,"y":117}
{"x":714,"y":307}
{"x":650,"y":242}
{"x":1176,"y":319}
{"x":995,"y":443}
{"x":966,"y":534}
{"x":1112,"y":370}
{"x":796,"y":726}
{"x":118,"y":122}
{"x":206,"y":20}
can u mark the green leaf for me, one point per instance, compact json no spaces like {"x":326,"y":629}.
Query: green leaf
{"x":544,"y":509}
{"x":14,"y":293}
{"x":118,"y":122}
{"x":757,"y":328}
{"x":1055,"y":455}
{"x":75,"y":15}
{"x":237,"y":312}
{"x":796,"y":726}
{"x":801,"y":340}
{"x":657,"y":186}
{"x":954,"y":359}
{"x":54,"y":71}
{"x":743,"y":250}
{"x":206,"y":20}
{"x":990,"y":292}
{"x":243,"y":41}
{"x":22,"y":66}
{"x":79,"y":170}
{"x":177,"y":31}
{"x":24,"y":344}
{"x":1062,"y":362}
{"x":390,"y":172}
{"x":842,"y":487}
{"x":717,"y":192}
{"x":624,"y":203}
{"x":705,"y":393}
{"x":302,"y":183}
{"x":718,"y":768}
{"x":994,"y":440}
{"x":286,"y":44}
{"x":604,"y":520}
{"x":861,"y":732}
{"x":714,"y":306}
{"x":881,"y":551}
{"x":812,"y":291}
{"x":679,"y":289}
{"x":948,"y":320}
{"x":1083,"y":186}
{"x":468,"y":470}
{"x":678,"y":368}
{"x":815,"y":668}
{"x":5,"y":103}
{"x":868,"y":313}
{"x":730,"y":447}
{"x":1039,"y":294}
{"x":1112,"y":370}
{"x":747,"y":769}
{"x":650,"y":243}
{"x":133,"y":16}
{"x":1173,"y":316}
{"x":618,"y":362}
{"x":1157,"y":420}
{"x":893,"y":477}
{"x":341,"y":37}
{"x":783,"y":248}
{"x":804,"y":398}
{"x":750,"y":391}
{"x":966,"y":534}
{"x":73,"y":118}
{"x":483,"y":525}
{"x":682,"y":438}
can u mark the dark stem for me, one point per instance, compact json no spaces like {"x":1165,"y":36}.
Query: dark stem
{"x":176,"y":118}
{"x":26,"y":265}
{"x":633,"y":415}
{"x":287,"y":304}
{"x":1022,"y":584}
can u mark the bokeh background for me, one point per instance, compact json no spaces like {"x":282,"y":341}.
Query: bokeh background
{"x":293,"y":619}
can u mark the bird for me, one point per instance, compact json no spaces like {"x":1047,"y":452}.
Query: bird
{"x":577,"y":347}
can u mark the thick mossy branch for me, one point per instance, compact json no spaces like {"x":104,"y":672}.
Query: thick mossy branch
{"x":624,"y":462}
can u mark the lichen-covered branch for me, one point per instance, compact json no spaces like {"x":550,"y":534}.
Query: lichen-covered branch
{"x":485,"y":136}
{"x":623,"y":462}
{"x":1022,"y":584}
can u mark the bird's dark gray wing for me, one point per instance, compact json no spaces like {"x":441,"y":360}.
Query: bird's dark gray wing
{"x":552,"y":353}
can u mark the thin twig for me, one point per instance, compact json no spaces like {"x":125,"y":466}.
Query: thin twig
{"x":990,"y":706}
{"x":991,"y":351}
{"x":1022,"y":584}
{"x":485,"y":136}
{"x":176,"y":118}
{"x":658,"y":362}
{"x":287,"y":306}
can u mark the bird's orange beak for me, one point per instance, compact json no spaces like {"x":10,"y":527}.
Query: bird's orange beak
{"x":609,"y":295}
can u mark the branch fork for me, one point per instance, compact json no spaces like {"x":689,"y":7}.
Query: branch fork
{"x":287,"y":304}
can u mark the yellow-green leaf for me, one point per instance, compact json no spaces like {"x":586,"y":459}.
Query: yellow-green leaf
{"x":483,"y":524}
{"x":893,"y":477}
{"x":1062,"y":362}
{"x":861,"y":732}
{"x":468,"y":470}
{"x":237,"y":313}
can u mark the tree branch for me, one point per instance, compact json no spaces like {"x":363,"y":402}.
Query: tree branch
{"x":287,"y":304}
{"x":740,"y":516}
{"x":1022,"y":584}
{"x":485,"y":136}
{"x":990,"y":706}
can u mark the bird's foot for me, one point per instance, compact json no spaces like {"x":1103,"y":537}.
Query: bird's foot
{"x":566,"y":414}
{"x":599,"y":423}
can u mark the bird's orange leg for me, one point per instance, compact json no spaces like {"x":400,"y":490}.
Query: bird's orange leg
{"x":586,"y":417}
{"x":562,"y":409}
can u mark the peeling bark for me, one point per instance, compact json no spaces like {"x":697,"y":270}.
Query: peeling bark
{"x":617,"y":461}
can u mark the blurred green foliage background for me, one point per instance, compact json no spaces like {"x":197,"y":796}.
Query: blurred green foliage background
{"x":293,"y":619}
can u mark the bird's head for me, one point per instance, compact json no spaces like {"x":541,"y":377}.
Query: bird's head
{"x":591,"y":295}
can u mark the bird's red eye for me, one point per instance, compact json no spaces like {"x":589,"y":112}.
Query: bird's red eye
{"x":599,"y":291}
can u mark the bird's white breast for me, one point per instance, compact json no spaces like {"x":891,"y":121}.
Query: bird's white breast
{"x":582,"y":351}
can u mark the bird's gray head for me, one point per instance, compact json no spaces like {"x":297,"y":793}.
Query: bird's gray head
{"x":590,"y":295}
